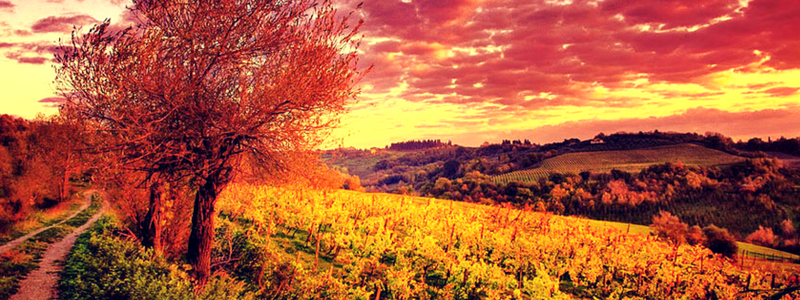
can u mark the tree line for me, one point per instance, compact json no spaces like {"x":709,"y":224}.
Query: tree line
{"x":418,"y":145}
{"x":38,"y":162}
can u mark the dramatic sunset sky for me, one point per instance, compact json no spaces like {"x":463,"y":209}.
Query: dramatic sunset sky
{"x":484,"y":70}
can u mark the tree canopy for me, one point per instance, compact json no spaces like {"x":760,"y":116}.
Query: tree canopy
{"x":196,"y":87}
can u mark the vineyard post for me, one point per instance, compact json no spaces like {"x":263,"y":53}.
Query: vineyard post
{"x":772,"y":284}
{"x":741,"y":265}
{"x":450,"y":242}
{"x":316,"y":254}
{"x":310,"y":233}
{"x":749,"y":277}
{"x":677,"y":279}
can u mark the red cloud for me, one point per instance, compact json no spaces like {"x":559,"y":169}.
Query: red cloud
{"x":63,"y":24}
{"x":29,"y":53}
{"x":782,"y":91}
{"x":52,"y":100}
{"x":671,"y":14}
{"x":516,"y":48}
{"x":6,"y":5}
{"x":32,"y":60}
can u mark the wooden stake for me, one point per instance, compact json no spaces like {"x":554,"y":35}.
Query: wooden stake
{"x":316,"y":255}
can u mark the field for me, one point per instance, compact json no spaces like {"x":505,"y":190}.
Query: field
{"x":629,"y":160}
{"x":370,"y":246}
{"x":361,"y":166}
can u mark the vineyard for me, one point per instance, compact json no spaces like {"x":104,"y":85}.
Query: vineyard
{"x":343,"y":244}
{"x":629,"y":160}
{"x":751,"y":251}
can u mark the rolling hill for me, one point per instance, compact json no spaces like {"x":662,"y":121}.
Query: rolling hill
{"x":626,"y":160}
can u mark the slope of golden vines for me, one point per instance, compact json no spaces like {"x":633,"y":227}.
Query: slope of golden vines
{"x":408,"y":247}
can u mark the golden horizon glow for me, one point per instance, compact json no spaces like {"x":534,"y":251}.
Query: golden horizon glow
{"x":473,"y":71}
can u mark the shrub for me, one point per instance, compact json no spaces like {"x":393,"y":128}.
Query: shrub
{"x":101,"y":266}
{"x":695,"y":236}
{"x":719,"y":240}
{"x":670,"y":227}
{"x":788,"y":228}
{"x":7,"y":219}
{"x":763,"y":236}
{"x":352,"y":183}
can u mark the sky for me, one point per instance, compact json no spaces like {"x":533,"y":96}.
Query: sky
{"x":471,"y":71}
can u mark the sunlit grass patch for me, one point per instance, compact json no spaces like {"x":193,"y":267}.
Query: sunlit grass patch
{"x":41,"y":218}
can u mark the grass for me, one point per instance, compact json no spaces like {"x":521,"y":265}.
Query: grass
{"x":84,"y":216}
{"x":765,"y":251}
{"x":18,"y":262}
{"x":42,"y":218}
{"x":628,"y":160}
{"x":624,"y":227}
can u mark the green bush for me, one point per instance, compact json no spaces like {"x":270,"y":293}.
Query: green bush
{"x":101,"y":266}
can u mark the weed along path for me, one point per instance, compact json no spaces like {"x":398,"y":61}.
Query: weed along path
{"x":41,"y":283}
{"x":10,"y":245}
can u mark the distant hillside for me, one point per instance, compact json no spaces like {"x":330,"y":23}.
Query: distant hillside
{"x":631,"y":161}
{"x":789,"y":161}
{"x":410,"y":165}
{"x":744,"y":187}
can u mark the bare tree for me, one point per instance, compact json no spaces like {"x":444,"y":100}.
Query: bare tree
{"x":198,"y":86}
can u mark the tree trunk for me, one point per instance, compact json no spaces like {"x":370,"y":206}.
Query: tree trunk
{"x":64,"y":191}
{"x":201,"y":238}
{"x":151,"y":235}
{"x":64,"y":187}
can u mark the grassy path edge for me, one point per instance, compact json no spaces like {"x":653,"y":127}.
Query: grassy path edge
{"x":17,"y":263}
{"x":13,"y":243}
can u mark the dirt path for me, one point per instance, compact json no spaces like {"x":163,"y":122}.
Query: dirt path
{"x":14,"y":243}
{"x":41,"y":283}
